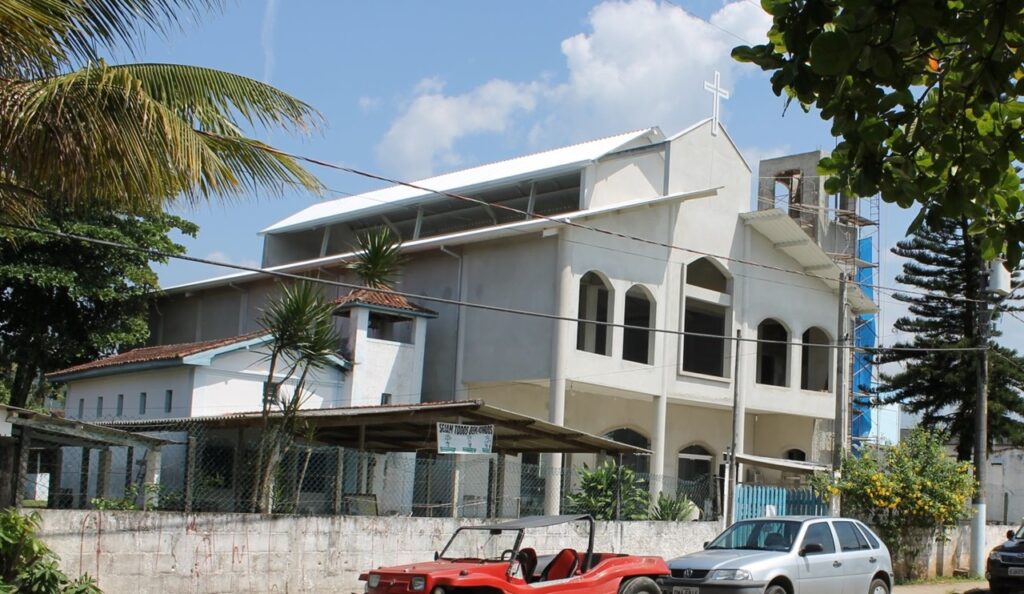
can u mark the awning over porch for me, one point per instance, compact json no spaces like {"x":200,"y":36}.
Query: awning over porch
{"x":52,"y":430}
{"x":782,"y":464}
{"x":412,"y":427}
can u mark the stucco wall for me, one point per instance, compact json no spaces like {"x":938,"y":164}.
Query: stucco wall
{"x":206,"y":553}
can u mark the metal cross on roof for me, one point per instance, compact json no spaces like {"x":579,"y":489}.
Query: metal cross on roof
{"x":719,"y":93}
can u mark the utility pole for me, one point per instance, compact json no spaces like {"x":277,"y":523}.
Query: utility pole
{"x":739,"y":412}
{"x":840,"y":428}
{"x":982,"y":323}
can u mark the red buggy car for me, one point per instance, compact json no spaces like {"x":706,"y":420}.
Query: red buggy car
{"x":498,"y":558}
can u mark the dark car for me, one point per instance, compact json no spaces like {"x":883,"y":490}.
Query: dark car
{"x":1005,"y":571}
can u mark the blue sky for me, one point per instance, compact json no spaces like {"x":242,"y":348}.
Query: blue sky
{"x":413,"y":88}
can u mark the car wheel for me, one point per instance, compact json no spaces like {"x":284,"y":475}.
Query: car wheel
{"x":640,"y":585}
{"x":776,"y":589}
{"x":878,"y":587}
{"x":994,"y":589}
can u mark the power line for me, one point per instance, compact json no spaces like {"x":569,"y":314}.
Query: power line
{"x":574,"y":224}
{"x":455,"y":302}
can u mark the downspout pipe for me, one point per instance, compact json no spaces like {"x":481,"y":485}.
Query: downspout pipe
{"x":459,"y":331}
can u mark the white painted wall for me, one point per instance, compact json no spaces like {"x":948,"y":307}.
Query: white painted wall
{"x":154,"y":383}
{"x":383,"y":366}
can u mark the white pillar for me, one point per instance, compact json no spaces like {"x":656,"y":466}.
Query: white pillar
{"x":151,"y":480}
{"x":561,"y":341}
{"x":657,"y":483}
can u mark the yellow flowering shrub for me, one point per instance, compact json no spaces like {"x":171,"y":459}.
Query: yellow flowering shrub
{"x":906,"y":492}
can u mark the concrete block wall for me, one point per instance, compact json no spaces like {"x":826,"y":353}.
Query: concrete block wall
{"x":142,"y":552}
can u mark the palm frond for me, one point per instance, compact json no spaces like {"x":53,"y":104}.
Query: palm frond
{"x":379,"y":259}
{"x":42,"y":37}
{"x":132,"y":138}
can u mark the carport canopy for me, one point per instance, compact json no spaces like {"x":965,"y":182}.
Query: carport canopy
{"x":412,"y":427}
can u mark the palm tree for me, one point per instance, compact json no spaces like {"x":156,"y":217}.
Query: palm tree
{"x":304,"y":338}
{"x":75,"y":131}
{"x":378,"y":259}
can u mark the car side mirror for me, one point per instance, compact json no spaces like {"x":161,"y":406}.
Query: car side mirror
{"x":1009,"y":534}
{"x":811,"y":548}
{"x":706,"y":543}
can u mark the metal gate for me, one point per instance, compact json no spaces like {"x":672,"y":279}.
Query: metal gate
{"x":754,"y":501}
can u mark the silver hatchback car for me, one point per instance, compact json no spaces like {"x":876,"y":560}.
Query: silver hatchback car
{"x":786,"y":555}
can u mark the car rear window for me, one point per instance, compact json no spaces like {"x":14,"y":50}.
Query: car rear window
{"x":820,"y":534}
{"x":868,"y":535}
{"x":850,"y":538}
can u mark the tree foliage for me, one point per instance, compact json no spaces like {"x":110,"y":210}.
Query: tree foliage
{"x":379,"y":259}
{"x":610,"y":492}
{"x":924,"y":95}
{"x":65,"y":302}
{"x":906,"y":492}
{"x":943,"y":261}
{"x":77,"y":132}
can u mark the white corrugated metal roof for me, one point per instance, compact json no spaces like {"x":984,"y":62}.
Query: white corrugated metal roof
{"x":788,"y":237}
{"x":526,"y":166}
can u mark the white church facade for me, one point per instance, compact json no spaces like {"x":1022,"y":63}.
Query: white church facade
{"x":649,"y":238}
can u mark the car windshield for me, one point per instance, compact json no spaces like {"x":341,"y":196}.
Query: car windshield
{"x":758,"y":535}
{"x":483,"y":545}
{"x":1020,"y":534}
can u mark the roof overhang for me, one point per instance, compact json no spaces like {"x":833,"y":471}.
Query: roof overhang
{"x":787,"y":237}
{"x":782,"y":464}
{"x":413,"y":427}
{"x":452,"y":239}
{"x":53,"y":430}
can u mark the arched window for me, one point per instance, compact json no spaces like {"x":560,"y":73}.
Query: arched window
{"x":796,"y":454}
{"x":638,"y":345}
{"x":694,"y":464}
{"x":814,"y":360}
{"x":637,"y":462}
{"x":595,"y":305}
{"x":772,"y":353}
{"x":707,"y":301}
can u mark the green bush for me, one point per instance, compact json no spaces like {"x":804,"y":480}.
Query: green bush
{"x":27,"y":565}
{"x":608,"y":488}
{"x":672,"y":509}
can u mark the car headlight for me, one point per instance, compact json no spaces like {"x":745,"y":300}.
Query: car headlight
{"x":437,"y":590}
{"x":994,"y":555}
{"x":418,"y":584}
{"x":374,"y":580}
{"x":729,"y":574}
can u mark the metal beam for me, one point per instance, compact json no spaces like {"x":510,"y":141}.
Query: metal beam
{"x":794,"y":243}
{"x":419,"y":224}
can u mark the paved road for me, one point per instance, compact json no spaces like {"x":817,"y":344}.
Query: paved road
{"x":957,"y":588}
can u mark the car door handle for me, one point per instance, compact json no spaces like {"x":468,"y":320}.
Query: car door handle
{"x":837,"y":564}
{"x":872,"y":560}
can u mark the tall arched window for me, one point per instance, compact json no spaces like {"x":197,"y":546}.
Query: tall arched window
{"x":707,"y":302}
{"x":595,"y":305}
{"x":637,"y":462}
{"x":637,"y":344}
{"x":814,"y":360}
{"x":772,"y":353}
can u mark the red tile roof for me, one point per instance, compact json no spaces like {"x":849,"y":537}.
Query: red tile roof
{"x":162,"y":352}
{"x":384,"y":299}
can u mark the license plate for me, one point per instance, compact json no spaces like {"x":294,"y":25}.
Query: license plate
{"x":1014,"y":571}
{"x":684,"y":590}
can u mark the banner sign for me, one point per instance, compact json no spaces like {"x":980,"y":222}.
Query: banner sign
{"x":453,"y":438}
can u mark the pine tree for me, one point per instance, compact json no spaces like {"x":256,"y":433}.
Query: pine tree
{"x":945,"y":263}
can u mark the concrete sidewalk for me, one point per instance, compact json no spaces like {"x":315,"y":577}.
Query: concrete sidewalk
{"x":980,"y":587}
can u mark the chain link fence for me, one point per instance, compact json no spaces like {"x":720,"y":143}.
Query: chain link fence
{"x":221,"y":469}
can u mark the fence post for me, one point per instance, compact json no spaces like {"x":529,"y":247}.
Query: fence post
{"x":54,"y":499}
{"x":237,"y":463}
{"x":618,"y":489}
{"x":83,"y":480}
{"x":455,"y":485}
{"x":129,"y":462}
{"x":151,"y":480}
{"x":103,"y":473}
{"x":337,"y":496}
{"x":23,"y":451}
{"x":190,"y":471}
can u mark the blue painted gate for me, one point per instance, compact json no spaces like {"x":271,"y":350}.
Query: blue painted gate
{"x":752,"y":501}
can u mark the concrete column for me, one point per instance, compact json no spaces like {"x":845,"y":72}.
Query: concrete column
{"x":8,"y":482}
{"x":151,"y":479}
{"x":561,"y":342}
{"x":103,"y":474}
{"x":190,"y":471}
{"x":83,"y":480}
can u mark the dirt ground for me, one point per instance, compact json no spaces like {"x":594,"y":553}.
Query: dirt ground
{"x":951,"y":588}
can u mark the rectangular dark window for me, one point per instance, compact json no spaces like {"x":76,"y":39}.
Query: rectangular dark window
{"x":120,"y":404}
{"x":99,"y":407}
{"x":850,"y":539}
{"x":168,"y":400}
{"x":704,"y":354}
{"x":820,"y":534}
{"x":142,"y":403}
{"x":81,"y":407}
{"x":385,"y":399}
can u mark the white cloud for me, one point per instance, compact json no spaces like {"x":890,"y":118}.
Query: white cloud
{"x":425,"y":134}
{"x":642,"y":63}
{"x":267,"y":38}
